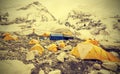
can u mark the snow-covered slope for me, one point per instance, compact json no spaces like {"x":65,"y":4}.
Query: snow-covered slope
{"x":29,"y":13}
{"x":87,"y":20}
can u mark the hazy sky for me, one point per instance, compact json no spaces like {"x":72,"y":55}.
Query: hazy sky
{"x":60,"y":8}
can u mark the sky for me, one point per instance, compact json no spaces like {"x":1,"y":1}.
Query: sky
{"x":60,"y":8}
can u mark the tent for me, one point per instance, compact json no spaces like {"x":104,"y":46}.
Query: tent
{"x":93,"y":41}
{"x":33,"y":41}
{"x":87,"y":50}
{"x":8,"y":37}
{"x":36,"y":46}
{"x":52,"y":47}
{"x":61,"y":44}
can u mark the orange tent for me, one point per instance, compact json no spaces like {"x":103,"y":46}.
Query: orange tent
{"x":88,"y":50}
{"x":95,"y":42}
{"x":8,"y":36}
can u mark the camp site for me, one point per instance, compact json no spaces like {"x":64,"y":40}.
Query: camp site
{"x":59,"y":37}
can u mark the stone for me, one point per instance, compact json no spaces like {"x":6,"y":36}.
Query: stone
{"x":95,"y":31}
{"x":41,"y":72}
{"x":103,"y":32}
{"x":102,"y":71}
{"x":118,"y":20}
{"x":115,"y":53}
{"x":55,"y":72}
{"x":111,"y":72}
{"x":110,"y":65}
{"x":15,"y":67}
{"x":68,"y":47}
{"x":72,"y":58}
{"x":97,"y":66}
{"x":61,"y":56}
{"x":22,"y":49}
{"x":93,"y":72}
{"x":102,"y":27}
{"x":30,"y":56}
{"x":43,"y":43}
{"x":118,"y":63}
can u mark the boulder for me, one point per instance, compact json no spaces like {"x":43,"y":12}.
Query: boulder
{"x":30,"y":55}
{"x":15,"y":67}
{"x":41,"y":72}
{"x":67,"y":48}
{"x":22,"y":49}
{"x":55,"y":72}
{"x":110,"y":66}
{"x":97,"y":66}
{"x":110,"y":45}
{"x":102,"y":71}
{"x":61,"y":56}
{"x":115,"y":53}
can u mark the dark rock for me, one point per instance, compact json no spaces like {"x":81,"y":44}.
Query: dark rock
{"x":95,"y":31}
{"x":118,"y":20}
{"x":110,"y":66}
{"x":97,"y":66}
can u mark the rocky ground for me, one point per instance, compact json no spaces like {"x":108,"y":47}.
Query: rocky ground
{"x":50,"y":63}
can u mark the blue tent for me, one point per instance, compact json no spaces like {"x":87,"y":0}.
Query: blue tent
{"x":57,"y":36}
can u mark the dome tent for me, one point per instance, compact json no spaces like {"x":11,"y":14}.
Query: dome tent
{"x":87,"y":50}
{"x":36,"y":46}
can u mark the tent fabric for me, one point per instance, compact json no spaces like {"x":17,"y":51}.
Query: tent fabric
{"x":87,"y":50}
{"x":93,"y":41}
{"x":33,"y":41}
{"x":75,"y":52}
{"x":56,"y":36}
{"x":52,"y":47}
{"x":61,"y":44}
{"x":38,"y":47}
{"x":46,"y":34}
{"x":8,"y":37}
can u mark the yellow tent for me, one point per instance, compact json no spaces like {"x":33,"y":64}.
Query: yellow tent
{"x":61,"y":44}
{"x":33,"y":41}
{"x":87,"y":50}
{"x":46,"y":34}
{"x":39,"y":48}
{"x":52,"y":47}
{"x":36,"y":46}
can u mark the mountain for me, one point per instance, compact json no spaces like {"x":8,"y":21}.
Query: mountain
{"x":33,"y":12}
{"x":38,"y":11}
